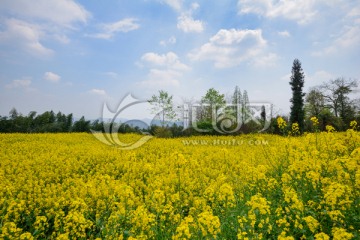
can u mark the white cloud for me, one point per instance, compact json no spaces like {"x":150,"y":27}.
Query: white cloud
{"x":20,"y":83}
{"x":188,"y":24}
{"x":169,"y":60}
{"x":171,"y":40}
{"x":174,"y":4}
{"x":25,"y":36}
{"x":112,"y":75}
{"x":110,"y":29}
{"x":318,"y":78}
{"x":185,"y":20}
{"x":62,"y":38}
{"x":265,"y":60}
{"x":301,"y":11}
{"x":229,"y":48}
{"x":354,"y":12}
{"x":284,"y":34}
{"x":347,"y":35}
{"x":195,"y":6}
{"x":341,"y":19}
{"x":99,"y":92}
{"x":165,"y":69}
{"x":29,"y":24}
{"x":161,"y":78}
{"x":51,"y":77}
{"x":348,"y":38}
{"x":63,"y":13}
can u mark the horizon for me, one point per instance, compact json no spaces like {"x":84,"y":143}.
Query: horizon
{"x":74,"y":56}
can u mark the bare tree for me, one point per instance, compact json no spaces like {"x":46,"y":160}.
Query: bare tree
{"x":187,"y":111}
{"x":335,"y":93}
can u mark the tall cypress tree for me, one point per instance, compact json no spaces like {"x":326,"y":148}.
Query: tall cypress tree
{"x":245,"y":109}
{"x":297,"y":100}
{"x":237,"y":96}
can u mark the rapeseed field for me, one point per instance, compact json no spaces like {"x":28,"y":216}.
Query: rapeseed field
{"x":71,"y":186}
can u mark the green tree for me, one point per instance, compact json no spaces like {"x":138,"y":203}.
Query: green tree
{"x":162,"y":105}
{"x":237,"y":96}
{"x":52,"y":117}
{"x":326,"y":117}
{"x":263,"y":114}
{"x":30,"y":124}
{"x":69,"y":122}
{"x":245,"y":109}
{"x":242,"y":101}
{"x":81,"y":125}
{"x":297,"y":101}
{"x":17,"y":121}
{"x":236,"y":109}
{"x":13,"y":113}
{"x":214,"y":100}
{"x":314,"y":102}
{"x":5,"y":125}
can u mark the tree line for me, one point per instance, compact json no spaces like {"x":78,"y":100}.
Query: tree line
{"x":208,"y":115}
{"x":49,"y":122}
{"x":330,"y":102}
{"x":215,"y":113}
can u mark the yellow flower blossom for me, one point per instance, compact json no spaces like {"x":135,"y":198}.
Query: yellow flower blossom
{"x":226,"y":195}
{"x":295,"y":130}
{"x":341,"y":234}
{"x":283,"y":236}
{"x":312,"y":223}
{"x":70,"y":186}
{"x":260,"y":203}
{"x":183,"y":230}
{"x":208,"y":224}
{"x":26,"y":236}
{"x":353,"y":124}
{"x":330,"y":128}
{"x":321,"y":236}
{"x":314,"y":121}
{"x":281,"y":123}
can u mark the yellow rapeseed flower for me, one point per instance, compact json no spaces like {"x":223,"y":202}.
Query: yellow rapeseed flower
{"x":341,"y":234}
{"x":353,"y":124}
{"x":281,"y":123}
{"x":312,"y":223}
{"x":330,"y":128}
{"x":321,"y":236}
{"x":314,"y":121}
{"x":70,"y":186}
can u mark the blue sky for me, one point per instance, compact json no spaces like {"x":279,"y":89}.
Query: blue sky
{"x":72,"y":56}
